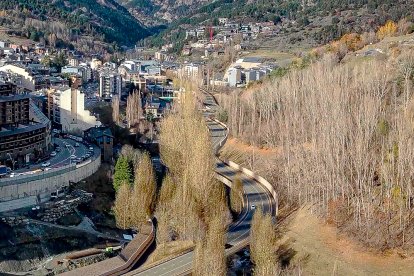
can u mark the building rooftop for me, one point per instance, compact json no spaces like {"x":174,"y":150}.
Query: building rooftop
{"x":97,"y":132}
{"x":22,"y":128}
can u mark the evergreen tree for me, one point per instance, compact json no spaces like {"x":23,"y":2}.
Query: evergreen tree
{"x":122,"y":173}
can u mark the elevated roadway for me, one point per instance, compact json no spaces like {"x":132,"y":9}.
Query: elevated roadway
{"x":238,"y":233}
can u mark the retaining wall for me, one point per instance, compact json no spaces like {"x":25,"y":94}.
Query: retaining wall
{"x":25,"y":191}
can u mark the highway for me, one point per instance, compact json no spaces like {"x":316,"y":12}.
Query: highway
{"x":62,"y":158}
{"x":239,"y":231}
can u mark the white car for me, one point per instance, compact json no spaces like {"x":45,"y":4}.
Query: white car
{"x":45,"y":164}
{"x":53,"y":154}
{"x":73,"y":156}
{"x":253,"y":207}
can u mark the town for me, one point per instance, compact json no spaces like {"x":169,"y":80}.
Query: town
{"x":206,"y":137}
{"x":63,"y":112}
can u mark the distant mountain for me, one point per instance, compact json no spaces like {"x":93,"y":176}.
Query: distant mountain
{"x":156,"y":12}
{"x":103,"y":20}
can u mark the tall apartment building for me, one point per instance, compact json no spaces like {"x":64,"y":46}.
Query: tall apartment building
{"x":24,"y":129}
{"x":110,"y":84}
{"x":66,"y":107}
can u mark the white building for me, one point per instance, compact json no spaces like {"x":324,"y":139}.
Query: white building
{"x":110,"y":83}
{"x":192,"y":70}
{"x":73,"y":62}
{"x":66,"y":106}
{"x":234,"y":76}
{"x":27,"y":80}
{"x":95,"y":64}
{"x":223,"y":20}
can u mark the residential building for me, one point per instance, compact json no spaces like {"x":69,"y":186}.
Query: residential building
{"x":102,"y":137}
{"x":250,"y":75}
{"x":24,"y":129}
{"x":74,"y":62}
{"x":223,"y":20}
{"x":110,"y":84}
{"x":66,"y":108}
{"x":193,"y":70}
{"x":234,"y":76}
{"x":4,"y":44}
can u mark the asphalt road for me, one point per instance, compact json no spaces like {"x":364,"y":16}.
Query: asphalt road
{"x":255,"y":193}
{"x":62,"y":158}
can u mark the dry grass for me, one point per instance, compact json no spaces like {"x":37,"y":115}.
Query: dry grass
{"x":271,"y":54}
{"x":13,"y":39}
{"x":318,"y":249}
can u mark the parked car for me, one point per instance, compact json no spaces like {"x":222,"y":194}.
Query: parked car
{"x":53,"y":153}
{"x":77,"y":145}
{"x":73,"y":156}
{"x":91,"y":148}
{"x":58,"y":149}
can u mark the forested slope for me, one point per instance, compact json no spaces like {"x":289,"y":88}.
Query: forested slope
{"x":323,"y":20}
{"x":105,"y":20}
{"x":342,"y":137}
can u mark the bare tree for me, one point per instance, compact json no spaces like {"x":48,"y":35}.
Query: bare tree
{"x":122,"y":206}
{"x":134,"y":109}
{"x":236,"y":195}
{"x":263,"y":245}
{"x":115,"y":109}
{"x":343,"y":135}
{"x":144,"y":191}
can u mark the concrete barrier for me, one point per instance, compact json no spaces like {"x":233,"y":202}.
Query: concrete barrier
{"x":25,"y":191}
{"x":253,"y":175}
{"x":259,"y":179}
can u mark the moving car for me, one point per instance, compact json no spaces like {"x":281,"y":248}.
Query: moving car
{"x":45,"y":164}
{"x":53,"y":153}
{"x":76,"y":144}
{"x":73,"y":156}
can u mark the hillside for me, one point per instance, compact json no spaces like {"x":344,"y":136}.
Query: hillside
{"x":316,"y":22}
{"x":71,"y":21}
{"x":156,"y":12}
{"x":338,"y":127}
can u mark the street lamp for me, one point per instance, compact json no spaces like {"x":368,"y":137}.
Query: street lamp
{"x":11,"y":159}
